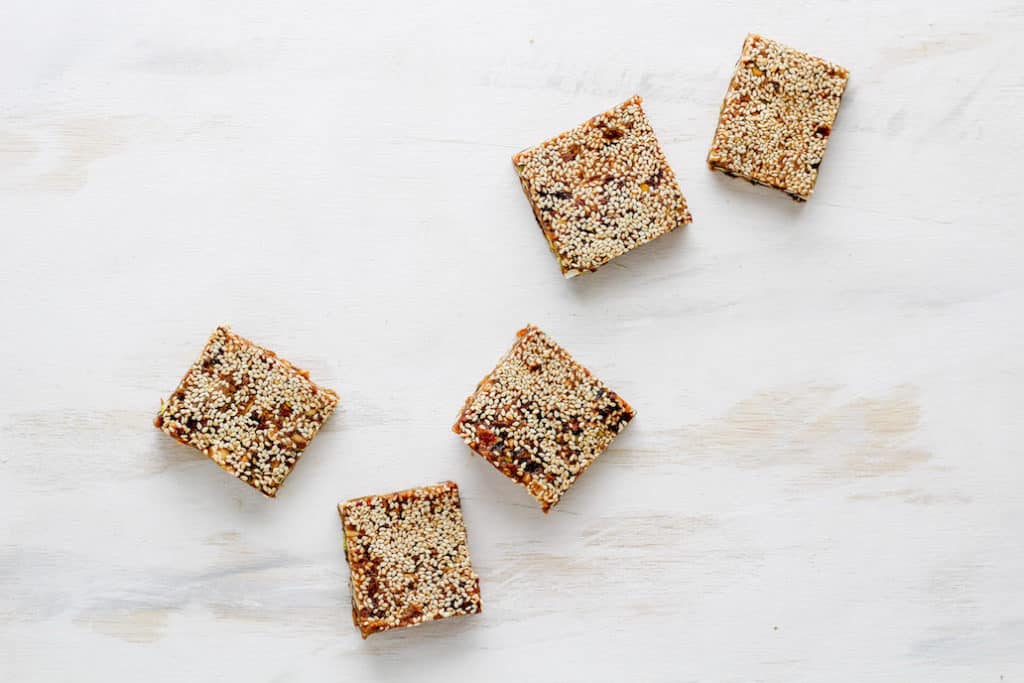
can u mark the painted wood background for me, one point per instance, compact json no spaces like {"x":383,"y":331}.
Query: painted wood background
{"x":824,"y":481}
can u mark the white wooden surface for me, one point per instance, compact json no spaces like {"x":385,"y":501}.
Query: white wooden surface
{"x":824,"y":479}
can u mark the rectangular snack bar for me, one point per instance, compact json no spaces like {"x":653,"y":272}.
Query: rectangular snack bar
{"x":541,"y":418}
{"x":248,"y":410}
{"x":777,"y":116}
{"x":408,"y":558}
{"x":602,"y":188}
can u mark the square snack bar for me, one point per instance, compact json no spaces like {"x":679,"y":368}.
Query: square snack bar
{"x":408,"y":558}
{"x":777,"y":116}
{"x":541,"y":418}
{"x":246,"y":409}
{"x":602,"y":188}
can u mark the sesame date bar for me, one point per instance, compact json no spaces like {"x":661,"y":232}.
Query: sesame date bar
{"x":248,"y":410}
{"x":541,"y":418}
{"x":408,"y":558}
{"x":777,"y":116}
{"x":602,"y":188}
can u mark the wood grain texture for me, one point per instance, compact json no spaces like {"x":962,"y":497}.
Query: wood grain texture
{"x":823,"y":479}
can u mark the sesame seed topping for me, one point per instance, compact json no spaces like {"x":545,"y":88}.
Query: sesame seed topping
{"x":408,"y":558}
{"x":777,"y":116}
{"x":602,"y":188}
{"x":248,"y":410}
{"x":541,"y":418}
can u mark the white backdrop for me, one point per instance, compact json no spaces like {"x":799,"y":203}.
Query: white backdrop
{"x":824,"y":478}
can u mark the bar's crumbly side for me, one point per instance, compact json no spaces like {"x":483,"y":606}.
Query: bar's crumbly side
{"x":248,"y":410}
{"x":602,"y":188}
{"x":408,"y":558}
{"x":541,"y":418}
{"x":777,"y":116}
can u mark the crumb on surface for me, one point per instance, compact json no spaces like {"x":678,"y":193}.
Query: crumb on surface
{"x":408,"y":558}
{"x":602,"y":188}
{"x":777,"y":116}
{"x":248,"y":410}
{"x":541,"y":418}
